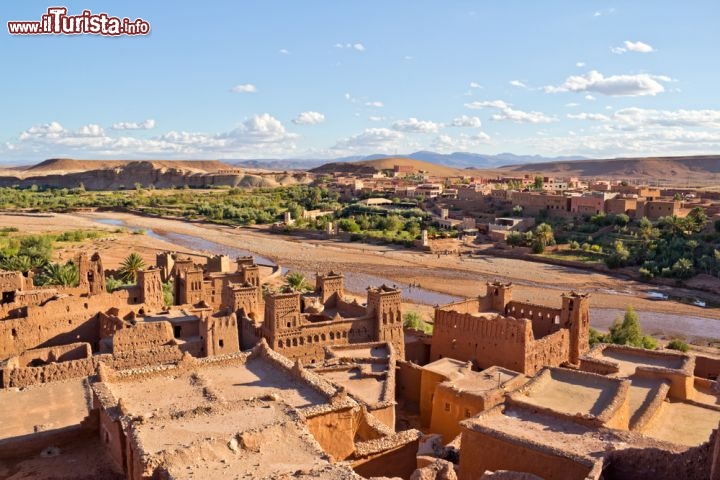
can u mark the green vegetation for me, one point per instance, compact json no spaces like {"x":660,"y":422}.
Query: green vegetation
{"x":671,"y":247}
{"x":415,"y":321}
{"x":538,"y":239}
{"x":112,"y":284}
{"x":625,"y":331}
{"x":58,"y":274}
{"x":228,"y":206}
{"x":129,"y":267}
{"x":169,"y":293}
{"x":297,"y":281}
{"x":678,"y":345}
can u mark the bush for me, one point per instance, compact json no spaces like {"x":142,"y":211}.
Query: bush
{"x":678,"y":345}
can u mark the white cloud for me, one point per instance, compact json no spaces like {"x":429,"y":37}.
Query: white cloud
{"x":629,"y":46}
{"x":413,"y":125}
{"x":376,"y":139}
{"x":475,"y":85}
{"x":589,"y":98}
{"x":580,"y":64}
{"x":244,"y":88}
{"x":461,"y":143}
{"x":309,"y":118}
{"x":284,"y":51}
{"x":408,"y":58}
{"x":508,"y":113}
{"x":614,"y":85}
{"x":144,"y":125}
{"x":351,"y":46}
{"x":261,"y":133}
{"x":588,"y":116}
{"x":572,"y":104}
{"x":668,"y":118}
{"x":375,"y":104}
{"x":466,"y":121}
{"x":517,"y":83}
{"x":376,"y":118}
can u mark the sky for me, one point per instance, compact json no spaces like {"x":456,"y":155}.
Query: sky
{"x":328,"y":79}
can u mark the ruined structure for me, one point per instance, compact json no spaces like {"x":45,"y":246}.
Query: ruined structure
{"x":300,"y":326}
{"x":494,"y":330}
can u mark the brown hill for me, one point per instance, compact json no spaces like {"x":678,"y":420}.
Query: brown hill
{"x":67,"y":165}
{"x":701,"y":170}
{"x":370,"y":166}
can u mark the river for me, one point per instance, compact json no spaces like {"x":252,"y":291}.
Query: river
{"x":654,"y":323}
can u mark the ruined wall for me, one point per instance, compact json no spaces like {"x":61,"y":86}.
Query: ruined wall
{"x":61,"y":353}
{"x":551,"y":350}
{"x":142,"y":336}
{"x":707,"y":367}
{"x":58,"y":322}
{"x":482,"y":452}
{"x":486,"y":341}
{"x":398,"y":462}
{"x":657,"y":464}
{"x":408,"y":384}
{"x":220,"y":335}
{"x":545,"y":320}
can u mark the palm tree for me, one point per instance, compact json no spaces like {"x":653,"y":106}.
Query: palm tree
{"x":59,"y":274}
{"x":543,"y":237}
{"x":297,"y":281}
{"x":130,"y":266}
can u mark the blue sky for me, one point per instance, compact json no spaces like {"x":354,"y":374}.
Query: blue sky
{"x":325,"y":79}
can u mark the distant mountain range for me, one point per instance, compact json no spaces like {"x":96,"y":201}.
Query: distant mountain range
{"x":454,"y":160}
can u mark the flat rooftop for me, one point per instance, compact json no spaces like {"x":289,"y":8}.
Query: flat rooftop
{"x":83,"y":458}
{"x":362,"y":351}
{"x":448,"y":367}
{"x":570,"y":392}
{"x":49,"y":406}
{"x":549,"y":431}
{"x":368,"y":389}
{"x":683,"y":423}
{"x":255,"y":378}
{"x":629,"y":360}
{"x":489,"y":379}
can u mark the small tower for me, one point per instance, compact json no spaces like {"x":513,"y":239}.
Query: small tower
{"x":282,"y":313}
{"x":165,"y":262}
{"x":384,"y":304}
{"x":575,"y":316}
{"x":150,"y":287}
{"x":498,"y":296}
{"x":91,"y":274}
{"x":220,"y":334}
{"x":190,"y":287}
{"x":330,"y":288}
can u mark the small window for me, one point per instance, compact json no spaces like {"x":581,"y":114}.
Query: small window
{"x":468,"y":414}
{"x":447,"y":407}
{"x":221,"y":343}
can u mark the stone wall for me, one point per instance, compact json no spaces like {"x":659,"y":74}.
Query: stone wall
{"x":486,"y":341}
{"x":482,"y":452}
{"x":545,"y":320}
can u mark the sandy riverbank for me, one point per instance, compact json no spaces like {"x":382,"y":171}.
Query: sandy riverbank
{"x":464,"y":277}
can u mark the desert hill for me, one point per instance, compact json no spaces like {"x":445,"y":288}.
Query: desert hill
{"x":66,"y":165}
{"x":701,"y":169}
{"x":125,"y":174}
{"x":370,"y":166}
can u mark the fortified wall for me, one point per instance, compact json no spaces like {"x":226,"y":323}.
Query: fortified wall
{"x":493,"y":330}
